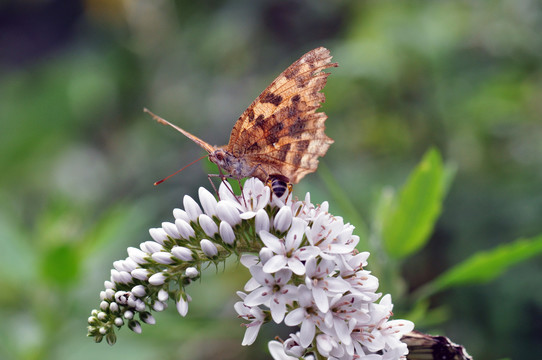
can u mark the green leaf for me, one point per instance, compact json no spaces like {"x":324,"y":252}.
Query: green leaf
{"x":485,"y":266}
{"x":409,"y":224}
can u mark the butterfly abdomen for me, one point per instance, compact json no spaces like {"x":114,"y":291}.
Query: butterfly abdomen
{"x":279,"y":184}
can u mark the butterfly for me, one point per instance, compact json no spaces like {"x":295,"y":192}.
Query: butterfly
{"x":280,"y":136}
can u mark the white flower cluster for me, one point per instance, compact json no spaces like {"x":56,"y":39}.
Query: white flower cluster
{"x":307,"y":274}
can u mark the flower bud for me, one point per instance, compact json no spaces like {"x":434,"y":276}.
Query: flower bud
{"x":162,"y":258}
{"x":135,"y":326}
{"x":171,"y":230}
{"x":140,"y":274}
{"x":191,"y":207}
{"x":182,"y":253}
{"x":208,"y":248}
{"x":184,"y":228}
{"x":181,"y":214}
{"x":137,"y":255}
{"x":283,"y":219}
{"x":191,"y":272}
{"x":261,"y":221}
{"x":163,"y":295}
{"x":208,"y":225}
{"x":226,"y":233}
{"x":227,"y":212}
{"x":208,"y":201}
{"x":158,"y":235}
{"x":157,"y":279}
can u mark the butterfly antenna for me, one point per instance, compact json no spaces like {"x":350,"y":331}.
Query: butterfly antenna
{"x":158,"y":118}
{"x":178,"y":171}
{"x":195,"y":139}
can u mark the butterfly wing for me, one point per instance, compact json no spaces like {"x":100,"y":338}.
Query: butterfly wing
{"x":281,"y":130}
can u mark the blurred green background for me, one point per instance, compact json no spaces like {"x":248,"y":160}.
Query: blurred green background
{"x":78,"y":157}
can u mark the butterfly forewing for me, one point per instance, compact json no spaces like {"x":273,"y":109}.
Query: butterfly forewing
{"x":281,"y":132}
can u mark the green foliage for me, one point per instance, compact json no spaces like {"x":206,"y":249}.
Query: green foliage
{"x":411,"y":218}
{"x":485,"y":266}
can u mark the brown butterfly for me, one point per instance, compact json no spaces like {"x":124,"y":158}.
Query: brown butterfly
{"x":280,"y":136}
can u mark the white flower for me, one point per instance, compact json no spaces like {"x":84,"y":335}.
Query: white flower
{"x":306,"y":314}
{"x":319,"y":280}
{"x":253,"y":314}
{"x":255,"y":196}
{"x":159,"y":306}
{"x":274,"y":291}
{"x":147,"y":318}
{"x":287,"y":251}
{"x":331,"y":235}
{"x":328,"y":346}
{"x":276,"y":350}
{"x":292,"y":346}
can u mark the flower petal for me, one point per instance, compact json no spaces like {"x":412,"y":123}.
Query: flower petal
{"x":274,"y":264}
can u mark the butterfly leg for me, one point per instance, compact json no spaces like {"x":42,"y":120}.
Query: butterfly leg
{"x":242,"y":192}
{"x":209,"y":176}
{"x":290,"y":189}
{"x":222,"y":179}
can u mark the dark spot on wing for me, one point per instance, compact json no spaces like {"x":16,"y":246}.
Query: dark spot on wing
{"x":271,"y":139}
{"x":283,"y":152}
{"x":296,"y":98}
{"x":297,"y":127}
{"x":272,"y":99}
{"x":260,"y":121}
{"x":291,"y":72}
{"x":292,"y":111}
{"x":276,"y":128}
{"x":302,"y":146}
{"x":250,"y":115}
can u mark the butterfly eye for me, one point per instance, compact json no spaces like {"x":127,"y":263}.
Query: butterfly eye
{"x":219,"y":156}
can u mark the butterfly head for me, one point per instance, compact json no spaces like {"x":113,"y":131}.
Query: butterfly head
{"x":236,"y":166}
